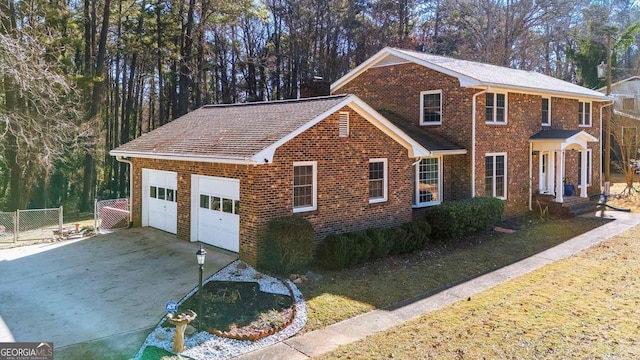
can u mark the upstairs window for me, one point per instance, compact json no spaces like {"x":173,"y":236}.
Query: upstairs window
{"x":431,"y":107}
{"x":584,"y":114}
{"x":496,"y":108}
{"x":344,"y":124}
{"x":546,"y":111}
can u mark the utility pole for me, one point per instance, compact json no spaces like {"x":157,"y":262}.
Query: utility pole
{"x":607,"y":159}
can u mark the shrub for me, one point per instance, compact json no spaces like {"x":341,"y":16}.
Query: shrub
{"x":411,"y":237}
{"x":464,"y":217}
{"x":336,"y":251}
{"x":381,"y":242}
{"x":289,"y":245}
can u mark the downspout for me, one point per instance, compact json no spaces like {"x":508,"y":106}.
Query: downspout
{"x":473,"y":141}
{"x":601,"y":143}
{"x":530,"y":176}
{"x":120,"y":159}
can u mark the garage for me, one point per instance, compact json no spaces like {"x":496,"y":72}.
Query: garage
{"x":159,"y":200}
{"x":215,"y":209}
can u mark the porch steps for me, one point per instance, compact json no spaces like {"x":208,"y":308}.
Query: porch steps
{"x":571,"y":207}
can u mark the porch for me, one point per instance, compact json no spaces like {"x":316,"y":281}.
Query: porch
{"x":552,"y":148}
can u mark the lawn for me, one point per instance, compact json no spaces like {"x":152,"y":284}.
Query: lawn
{"x":583,"y":307}
{"x":341,"y":295}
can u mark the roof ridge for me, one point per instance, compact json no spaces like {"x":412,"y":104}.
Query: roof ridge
{"x":270,"y":102}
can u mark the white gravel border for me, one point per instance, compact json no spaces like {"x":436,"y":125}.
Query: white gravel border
{"x":203,"y":345}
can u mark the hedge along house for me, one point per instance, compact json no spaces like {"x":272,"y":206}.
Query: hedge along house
{"x":220,"y":173}
{"x":526,"y":133}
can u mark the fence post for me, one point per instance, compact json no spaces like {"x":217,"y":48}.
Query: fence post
{"x":95,"y":215}
{"x":61,"y":219}
{"x":17,"y":228}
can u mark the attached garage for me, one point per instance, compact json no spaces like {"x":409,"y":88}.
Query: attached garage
{"x":215,"y":211}
{"x":159,"y":199}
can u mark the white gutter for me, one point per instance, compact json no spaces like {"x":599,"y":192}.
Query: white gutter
{"x":195,"y":158}
{"x":602,"y":142}
{"x":120,"y":159}
{"x":473,"y":141}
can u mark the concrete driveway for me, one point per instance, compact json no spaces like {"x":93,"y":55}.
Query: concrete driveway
{"x":113,"y":284}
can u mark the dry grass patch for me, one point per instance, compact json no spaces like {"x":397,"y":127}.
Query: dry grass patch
{"x":584,"y":307}
{"x":343,"y":294}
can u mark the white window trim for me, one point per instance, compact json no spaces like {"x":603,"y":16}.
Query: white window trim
{"x":589,"y":169}
{"x":422,"y":93}
{"x":384,"y":181}
{"x":495,"y":108}
{"x":417,"y":203}
{"x":590,"y":114}
{"x":314,"y":196}
{"x":340,"y":114}
{"x":506,"y":171}
{"x":549,"y":111}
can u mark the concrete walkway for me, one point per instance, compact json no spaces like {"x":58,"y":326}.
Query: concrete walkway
{"x":324,"y":340}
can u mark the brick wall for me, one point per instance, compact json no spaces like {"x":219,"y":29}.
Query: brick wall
{"x":397,"y":88}
{"x":266,"y":190}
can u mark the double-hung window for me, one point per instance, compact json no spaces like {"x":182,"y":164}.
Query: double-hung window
{"x":584,"y":114}
{"x":428,"y":189}
{"x":546,"y":111}
{"x":496,"y":108}
{"x":304,"y":186}
{"x":431,"y":107}
{"x":377,"y":180}
{"x":495,"y":180}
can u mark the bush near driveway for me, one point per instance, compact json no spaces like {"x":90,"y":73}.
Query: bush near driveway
{"x":289,"y":245}
{"x":464,"y":217}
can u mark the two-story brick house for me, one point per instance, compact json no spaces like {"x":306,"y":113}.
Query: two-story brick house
{"x":403,"y":131}
{"x":524,"y":132}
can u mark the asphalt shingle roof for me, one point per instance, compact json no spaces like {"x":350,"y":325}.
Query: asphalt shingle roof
{"x":429,"y":141}
{"x":553,"y":134}
{"x":502,"y":76}
{"x":235,"y":131}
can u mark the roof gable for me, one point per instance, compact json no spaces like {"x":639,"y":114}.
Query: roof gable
{"x":250,"y":133}
{"x":474,"y":74}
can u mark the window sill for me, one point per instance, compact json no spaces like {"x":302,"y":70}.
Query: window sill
{"x":584,"y":126}
{"x":424,"y":205}
{"x":431,"y":123}
{"x":304,"y":209}
{"x":546,"y":125}
{"x":377,"y":201}
{"x":495,"y":123}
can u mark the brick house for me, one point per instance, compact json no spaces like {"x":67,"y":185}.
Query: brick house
{"x":401,"y":132}
{"x":525,"y":132}
{"x":219,"y":173}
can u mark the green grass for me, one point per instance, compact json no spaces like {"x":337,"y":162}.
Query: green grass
{"x":155,"y":353}
{"x":344,"y":294}
{"x":583,"y":307}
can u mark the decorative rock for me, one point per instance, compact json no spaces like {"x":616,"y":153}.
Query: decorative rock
{"x":258,"y":276}
{"x":189,"y":330}
{"x":161,"y":336}
{"x":242,"y":266}
{"x":313,"y":276}
{"x":298,"y":281}
{"x":293,"y":277}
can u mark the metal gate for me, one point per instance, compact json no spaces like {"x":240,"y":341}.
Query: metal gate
{"x":112,"y":214}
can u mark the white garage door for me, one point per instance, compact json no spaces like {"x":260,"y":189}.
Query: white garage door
{"x":215,"y":205}
{"x":159,"y":199}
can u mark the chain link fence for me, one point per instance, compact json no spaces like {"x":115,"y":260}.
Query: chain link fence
{"x":112,"y":214}
{"x":30,"y":225}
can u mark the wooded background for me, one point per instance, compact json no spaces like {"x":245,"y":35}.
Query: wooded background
{"x":78,"y":78}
